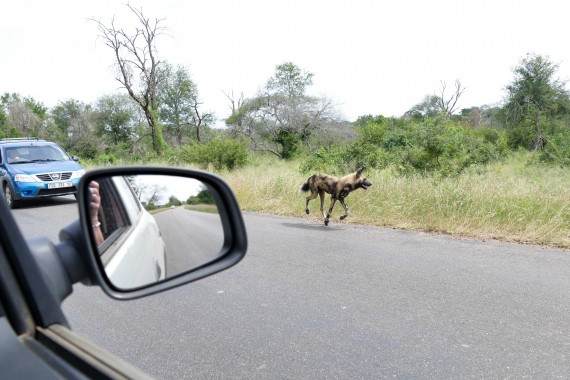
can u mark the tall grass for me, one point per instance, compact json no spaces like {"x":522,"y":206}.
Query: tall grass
{"x":510,"y":201}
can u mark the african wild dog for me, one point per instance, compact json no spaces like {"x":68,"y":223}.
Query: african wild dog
{"x":338,"y":188}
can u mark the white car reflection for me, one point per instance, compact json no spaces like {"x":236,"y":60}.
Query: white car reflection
{"x":133,"y":252}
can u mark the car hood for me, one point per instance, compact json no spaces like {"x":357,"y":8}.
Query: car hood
{"x":45,"y":167}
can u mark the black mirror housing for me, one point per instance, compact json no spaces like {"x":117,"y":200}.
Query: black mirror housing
{"x":233,"y":243}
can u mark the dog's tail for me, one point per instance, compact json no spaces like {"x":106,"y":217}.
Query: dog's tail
{"x":305,"y":187}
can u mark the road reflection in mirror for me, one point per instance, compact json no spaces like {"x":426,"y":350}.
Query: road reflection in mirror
{"x":151,"y":227}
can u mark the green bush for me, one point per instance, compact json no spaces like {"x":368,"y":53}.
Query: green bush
{"x":324,"y":160}
{"x":220,"y":152}
{"x":430,"y":145}
{"x":557,"y":149}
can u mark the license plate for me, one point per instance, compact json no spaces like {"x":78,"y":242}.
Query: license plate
{"x":57,"y":185}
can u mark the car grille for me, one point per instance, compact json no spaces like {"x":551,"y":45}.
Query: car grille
{"x":50,"y":177}
{"x":52,"y":192}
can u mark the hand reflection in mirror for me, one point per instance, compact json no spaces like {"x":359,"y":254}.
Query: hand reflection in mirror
{"x":94,"y":206}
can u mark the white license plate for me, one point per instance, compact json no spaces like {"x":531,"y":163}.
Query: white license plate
{"x":57,"y":185}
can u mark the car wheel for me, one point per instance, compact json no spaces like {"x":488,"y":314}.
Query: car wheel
{"x":12,"y":203}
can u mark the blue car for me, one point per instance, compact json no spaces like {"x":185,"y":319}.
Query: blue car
{"x":33,"y":168}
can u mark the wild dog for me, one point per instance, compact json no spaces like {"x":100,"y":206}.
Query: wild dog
{"x":337,"y":187}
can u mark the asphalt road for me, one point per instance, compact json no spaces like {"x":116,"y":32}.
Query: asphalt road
{"x":344,"y":302}
{"x":192,"y":238}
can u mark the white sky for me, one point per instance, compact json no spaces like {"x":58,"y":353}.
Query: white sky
{"x":182,"y":188}
{"x":369,"y":57}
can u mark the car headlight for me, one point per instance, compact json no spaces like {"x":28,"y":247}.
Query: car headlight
{"x":77,"y":174}
{"x":24,"y":178}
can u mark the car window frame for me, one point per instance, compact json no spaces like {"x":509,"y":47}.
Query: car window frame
{"x":111,"y":207}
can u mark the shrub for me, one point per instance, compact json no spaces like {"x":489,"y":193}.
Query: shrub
{"x":220,"y":152}
{"x":557,"y":149}
{"x":437,"y":145}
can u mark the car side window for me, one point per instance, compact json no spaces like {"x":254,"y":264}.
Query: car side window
{"x":130,"y":202}
{"x":113,"y":216}
{"x":119,"y":211}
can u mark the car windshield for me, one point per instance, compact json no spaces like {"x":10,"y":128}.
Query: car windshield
{"x":27,"y":154}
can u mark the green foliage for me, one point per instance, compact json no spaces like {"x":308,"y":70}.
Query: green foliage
{"x":290,"y":80}
{"x":179,"y":105}
{"x":281,"y":116}
{"x":173,"y":201}
{"x":336,"y":159}
{"x":114,"y":116}
{"x":374,"y":131}
{"x":221,"y":152}
{"x":107,"y":158}
{"x":156,"y":136}
{"x":6,"y":130}
{"x":21,"y":116}
{"x":324,"y":160}
{"x":534,"y":96}
{"x":203,"y":197}
{"x":85,"y":149}
{"x":437,"y":145}
{"x":287,"y":141}
{"x":557,"y":148}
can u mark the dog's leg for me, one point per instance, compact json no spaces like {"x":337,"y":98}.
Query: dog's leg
{"x":346,"y":212}
{"x":333,"y":200}
{"x":309,"y":198}
{"x":322,"y":195}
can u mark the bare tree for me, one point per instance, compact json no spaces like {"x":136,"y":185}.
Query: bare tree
{"x":154,"y":193}
{"x":449,"y":105}
{"x":438,"y":103}
{"x":137,"y":64}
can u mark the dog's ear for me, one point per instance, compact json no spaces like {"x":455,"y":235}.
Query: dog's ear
{"x":359,"y":171}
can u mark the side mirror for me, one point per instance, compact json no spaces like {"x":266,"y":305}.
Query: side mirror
{"x":153,"y":228}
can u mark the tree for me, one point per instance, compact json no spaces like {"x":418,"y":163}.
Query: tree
{"x":426,"y":108}
{"x":22,"y":116}
{"x":435,"y":104}
{"x":533,"y":95}
{"x":289,"y":81}
{"x":282,"y":115}
{"x":74,"y":124}
{"x":173,"y":201}
{"x":138,"y":67}
{"x":114,"y":117}
{"x":203,"y":197}
{"x":483,"y":116}
{"x":5,"y":130}
{"x":151,"y":194}
{"x":179,"y":104}
{"x":448,"y":105}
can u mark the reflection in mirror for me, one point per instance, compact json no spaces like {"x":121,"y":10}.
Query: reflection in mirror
{"x":151,"y":227}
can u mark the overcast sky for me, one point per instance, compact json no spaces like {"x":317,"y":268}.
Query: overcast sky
{"x":369,"y":57}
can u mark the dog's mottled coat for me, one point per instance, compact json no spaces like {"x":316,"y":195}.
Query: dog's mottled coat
{"x":337,"y":187}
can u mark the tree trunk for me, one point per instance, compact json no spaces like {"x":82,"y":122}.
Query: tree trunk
{"x":155,"y":132}
{"x":539,"y":141}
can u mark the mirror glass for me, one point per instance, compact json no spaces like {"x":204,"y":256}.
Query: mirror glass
{"x":151,"y":227}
